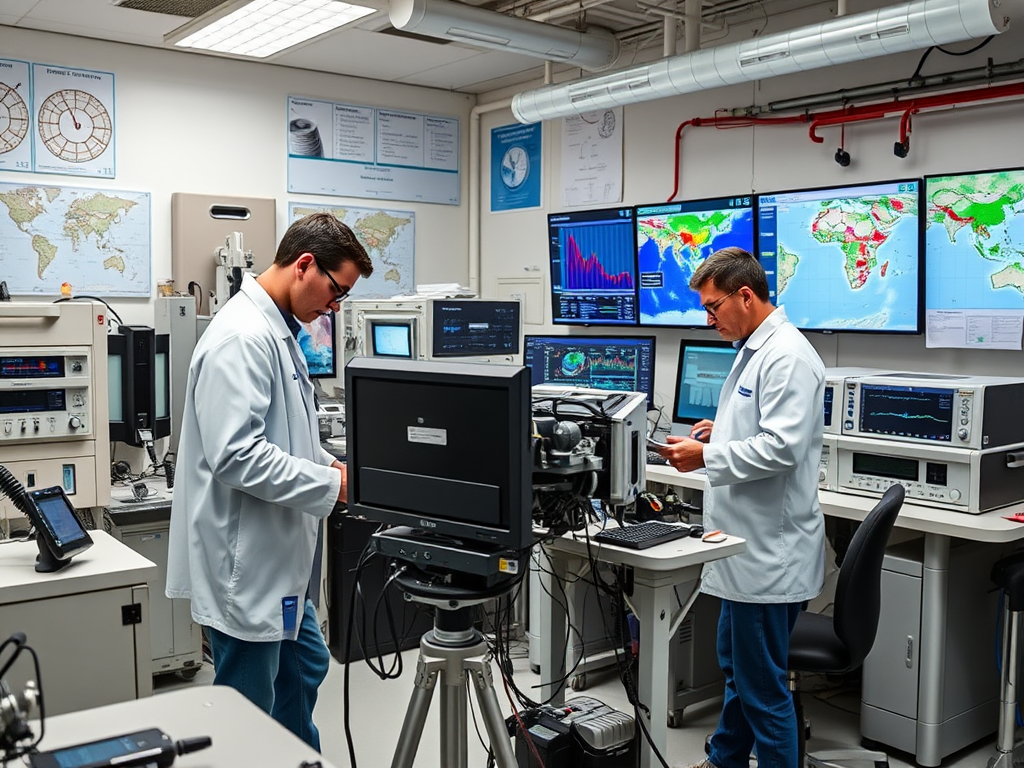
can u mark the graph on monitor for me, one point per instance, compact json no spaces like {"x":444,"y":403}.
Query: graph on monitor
{"x":974,"y":241}
{"x":618,"y":363}
{"x":593,"y":273}
{"x":672,"y":240}
{"x":845,"y":258}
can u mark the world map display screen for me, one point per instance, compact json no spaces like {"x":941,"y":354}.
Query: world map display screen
{"x":845,"y":258}
{"x":974,"y":241}
{"x":672,"y":240}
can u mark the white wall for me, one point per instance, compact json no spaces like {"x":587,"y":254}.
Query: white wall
{"x":730,"y":162}
{"x":206,"y":125}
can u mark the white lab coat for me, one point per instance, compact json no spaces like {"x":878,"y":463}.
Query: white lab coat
{"x":253,"y":481}
{"x":762,"y":469}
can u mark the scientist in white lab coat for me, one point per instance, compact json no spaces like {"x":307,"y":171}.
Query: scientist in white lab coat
{"x":252,"y":481}
{"x":761,"y":453}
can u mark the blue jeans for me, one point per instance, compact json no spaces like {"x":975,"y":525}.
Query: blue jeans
{"x":281,"y":678}
{"x":758,"y":713}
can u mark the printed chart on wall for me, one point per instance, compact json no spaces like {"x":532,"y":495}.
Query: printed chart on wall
{"x":389,"y":237}
{"x":96,"y":240}
{"x":356,"y":151}
{"x":74,"y":111}
{"x":15,"y":116}
{"x":974,"y":268}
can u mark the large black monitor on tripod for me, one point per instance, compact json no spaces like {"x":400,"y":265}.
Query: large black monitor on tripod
{"x":443,"y":448}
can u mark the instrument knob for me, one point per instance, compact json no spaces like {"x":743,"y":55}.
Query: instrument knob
{"x":954,"y":494}
{"x":962,"y":433}
{"x":74,"y":422}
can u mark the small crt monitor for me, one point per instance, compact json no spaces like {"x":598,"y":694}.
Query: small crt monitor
{"x":593,"y":267}
{"x":61,"y":534}
{"x":845,"y":258}
{"x":474,"y":328}
{"x":316,"y":340}
{"x":593,"y":362}
{"x":392,"y":338}
{"x":672,"y":240}
{"x":703,"y":368}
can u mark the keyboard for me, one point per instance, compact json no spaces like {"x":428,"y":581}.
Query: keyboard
{"x":653,"y":457}
{"x":642,"y":535}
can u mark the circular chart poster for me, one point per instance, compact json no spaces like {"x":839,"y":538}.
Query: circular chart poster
{"x":74,"y":113}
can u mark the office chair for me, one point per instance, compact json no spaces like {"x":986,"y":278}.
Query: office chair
{"x":839,"y":643}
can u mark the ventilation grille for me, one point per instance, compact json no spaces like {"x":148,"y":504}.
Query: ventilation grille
{"x":190,"y":8}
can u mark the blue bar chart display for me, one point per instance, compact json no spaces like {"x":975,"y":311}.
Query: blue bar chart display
{"x":593,"y":267}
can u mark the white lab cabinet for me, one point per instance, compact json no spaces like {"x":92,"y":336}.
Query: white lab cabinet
{"x":89,"y":623}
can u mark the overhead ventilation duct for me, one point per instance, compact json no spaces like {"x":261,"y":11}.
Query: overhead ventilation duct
{"x":593,"y":50}
{"x":899,"y":28}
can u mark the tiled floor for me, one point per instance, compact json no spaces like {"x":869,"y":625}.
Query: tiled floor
{"x":378,"y":709}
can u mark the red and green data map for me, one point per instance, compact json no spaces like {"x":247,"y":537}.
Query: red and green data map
{"x":974,"y":241}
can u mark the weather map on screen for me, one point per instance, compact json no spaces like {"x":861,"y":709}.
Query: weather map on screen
{"x":316,"y":339}
{"x":672,"y":240}
{"x":845,"y":258}
{"x":974,"y":241}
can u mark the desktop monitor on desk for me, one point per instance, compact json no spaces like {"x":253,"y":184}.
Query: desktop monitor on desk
{"x":593,"y":362}
{"x":703,"y":368}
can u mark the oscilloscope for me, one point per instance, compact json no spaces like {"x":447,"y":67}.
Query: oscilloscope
{"x":940,"y":409}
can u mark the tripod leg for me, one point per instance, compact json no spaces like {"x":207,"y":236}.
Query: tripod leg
{"x":416,"y":714}
{"x":501,"y":744}
{"x":454,"y":743}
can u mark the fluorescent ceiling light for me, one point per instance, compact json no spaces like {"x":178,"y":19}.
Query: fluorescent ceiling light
{"x":261,"y":28}
{"x":914,"y":25}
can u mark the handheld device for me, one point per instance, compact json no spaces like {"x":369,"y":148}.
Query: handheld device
{"x":150,"y":747}
{"x":59,"y":533}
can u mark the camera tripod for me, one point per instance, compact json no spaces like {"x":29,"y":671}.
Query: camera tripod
{"x":455,"y":652}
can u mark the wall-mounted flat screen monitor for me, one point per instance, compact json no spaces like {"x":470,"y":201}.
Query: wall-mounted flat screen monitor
{"x":672,"y":240}
{"x":974,"y":249}
{"x":473,"y":328}
{"x":316,"y":340}
{"x":845,"y":258}
{"x":613,"y":363}
{"x":392,"y":338}
{"x":593,"y":267}
{"x":703,"y":368}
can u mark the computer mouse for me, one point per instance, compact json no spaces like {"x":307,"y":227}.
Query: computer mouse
{"x":714,"y":537}
{"x":696,"y":531}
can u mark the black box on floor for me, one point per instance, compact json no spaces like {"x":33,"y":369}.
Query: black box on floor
{"x":583,"y":733}
{"x":346,"y":538}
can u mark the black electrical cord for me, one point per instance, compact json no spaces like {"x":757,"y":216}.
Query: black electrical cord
{"x":93,"y":298}
{"x":924,"y":56}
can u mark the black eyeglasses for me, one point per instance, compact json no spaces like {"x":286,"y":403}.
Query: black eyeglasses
{"x":342,"y":292}
{"x":714,"y":305}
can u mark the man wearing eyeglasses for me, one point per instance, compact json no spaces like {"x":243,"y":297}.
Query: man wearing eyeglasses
{"x":253,"y":483}
{"x":761,"y":453}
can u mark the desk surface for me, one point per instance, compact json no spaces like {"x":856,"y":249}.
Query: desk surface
{"x":670,"y":556}
{"x":243,"y":735}
{"x":107,"y":564}
{"x":992,"y":526}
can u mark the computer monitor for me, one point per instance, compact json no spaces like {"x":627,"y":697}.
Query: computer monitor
{"x":703,"y":368}
{"x":845,"y":258}
{"x":139,"y":385}
{"x":973,"y":234}
{"x":392,"y":338}
{"x":622,"y":363}
{"x":593,"y":267}
{"x":443,"y":447}
{"x":473,"y":328}
{"x":672,"y":240}
{"x":316,"y":339}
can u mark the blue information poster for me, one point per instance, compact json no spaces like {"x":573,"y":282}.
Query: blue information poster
{"x":515,"y":167}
